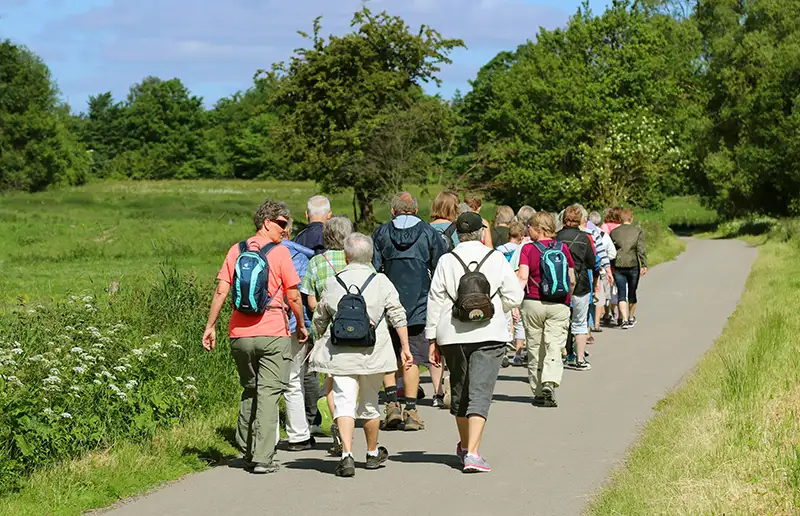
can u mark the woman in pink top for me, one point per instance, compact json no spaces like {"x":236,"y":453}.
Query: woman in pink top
{"x":612,"y":220}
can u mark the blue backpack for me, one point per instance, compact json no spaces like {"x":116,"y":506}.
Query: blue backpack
{"x":249,"y":293}
{"x":554,"y":271}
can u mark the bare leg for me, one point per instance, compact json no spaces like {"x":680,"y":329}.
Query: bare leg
{"x":371,"y":427}
{"x":436,"y":377}
{"x":411,"y":381}
{"x":389,"y":380}
{"x":598,"y":314}
{"x":329,"y":393}
{"x":580,"y":346}
{"x":623,"y":310}
{"x":463,"y":430}
{"x":476,"y":424}
{"x":347,"y":426}
{"x":520,"y":345}
{"x":633,"y":310}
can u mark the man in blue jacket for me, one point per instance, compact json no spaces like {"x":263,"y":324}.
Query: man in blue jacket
{"x":407,"y":250}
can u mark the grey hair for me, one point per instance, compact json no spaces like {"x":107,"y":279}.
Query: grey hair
{"x":404,"y":203}
{"x":472,"y":236}
{"x":270,"y":210}
{"x":596,"y":218}
{"x":335,"y":231}
{"x":559,"y":220}
{"x":358,"y":248}
{"x":318,"y":206}
{"x":464,"y":208}
{"x":525,"y":214}
{"x":584,"y":213}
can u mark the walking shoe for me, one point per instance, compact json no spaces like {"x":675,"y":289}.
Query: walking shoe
{"x":518,"y":362}
{"x":473,"y":464}
{"x":336,"y":448}
{"x":394,"y":416}
{"x":547,"y":398}
{"x":597,"y":329}
{"x":461,"y":453}
{"x":632,"y":322}
{"x":346,"y":467}
{"x":570,"y":360}
{"x":626,"y":325}
{"x":375,"y":462}
{"x":263,"y":468}
{"x":505,"y":363}
{"x":412,"y":422}
{"x":582,"y":365}
{"x":302,"y":445}
{"x":438,"y":401}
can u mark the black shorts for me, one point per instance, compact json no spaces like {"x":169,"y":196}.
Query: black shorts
{"x":416,"y":341}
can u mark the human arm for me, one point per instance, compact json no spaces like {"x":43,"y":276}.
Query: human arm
{"x":396,"y":315}
{"x":322,"y":316}
{"x":377,"y":256}
{"x":487,"y":235}
{"x":572,"y":280}
{"x":437,"y":297}
{"x":641,"y":252}
{"x":312,"y":303}
{"x":295,"y":300}
{"x":210,"y":333}
{"x":511,"y":291}
{"x":523,"y":273}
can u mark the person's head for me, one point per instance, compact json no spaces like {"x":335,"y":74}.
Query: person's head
{"x":596,"y":218}
{"x":573,"y":216}
{"x":626,"y":216}
{"x":464,"y":208}
{"x":542,"y":226}
{"x":469,"y":227}
{"x":271,"y":219}
{"x":358,"y":248}
{"x":335,"y":231}
{"x":516,"y":230}
{"x":445,"y":206}
{"x":525,"y":213}
{"x":318,"y":209}
{"x":503,"y":216}
{"x":474,"y":202}
{"x":404,"y":204}
{"x":614,"y":215}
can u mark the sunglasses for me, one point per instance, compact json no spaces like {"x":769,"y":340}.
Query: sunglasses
{"x":281,"y":223}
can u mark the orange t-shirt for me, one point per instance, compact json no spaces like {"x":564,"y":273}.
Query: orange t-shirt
{"x":282,"y":276}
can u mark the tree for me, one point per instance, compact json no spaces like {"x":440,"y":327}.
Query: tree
{"x":343,"y":97}
{"x":539,"y":118}
{"x":36,"y":146}
{"x":752,"y":60}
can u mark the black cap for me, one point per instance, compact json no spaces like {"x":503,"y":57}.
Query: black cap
{"x":469,"y":222}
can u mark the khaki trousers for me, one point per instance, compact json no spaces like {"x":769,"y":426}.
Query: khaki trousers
{"x":263,"y":365}
{"x":546,"y":327}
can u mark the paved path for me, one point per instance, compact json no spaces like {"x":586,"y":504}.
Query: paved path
{"x":546,"y":461}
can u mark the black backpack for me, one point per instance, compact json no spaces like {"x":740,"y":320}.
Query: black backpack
{"x":473,"y":303}
{"x":351,"y":325}
{"x":447,"y":234}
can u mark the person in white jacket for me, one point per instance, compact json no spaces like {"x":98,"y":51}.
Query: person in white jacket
{"x":473,"y":350}
{"x":358,"y":372}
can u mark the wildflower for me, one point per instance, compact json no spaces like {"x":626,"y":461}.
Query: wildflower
{"x":39,"y":307}
{"x":131,"y":384}
{"x":79,"y":369}
{"x":88,"y":358}
{"x":120,"y":369}
{"x":108,"y":375}
{"x":77,"y":388}
{"x":179,"y":379}
{"x":18,"y":351}
{"x":55,"y":372}
{"x":66,"y":415}
{"x":48,"y":411}
{"x":190,"y":379}
{"x":69,"y":328}
{"x":76,"y":349}
{"x":31,"y":311}
{"x":190,"y":388}
{"x":35,"y":358}
{"x":137,"y":352}
{"x":87,"y":299}
{"x":96,"y":381}
{"x":52,"y":388}
{"x":51,"y":380}
{"x":97,"y":345}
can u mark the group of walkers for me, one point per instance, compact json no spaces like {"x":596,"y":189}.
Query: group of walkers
{"x":455,"y":295}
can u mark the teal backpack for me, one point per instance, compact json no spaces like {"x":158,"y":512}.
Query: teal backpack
{"x":554,"y":271}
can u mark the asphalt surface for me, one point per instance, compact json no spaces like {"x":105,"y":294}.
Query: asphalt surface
{"x":546,"y":461}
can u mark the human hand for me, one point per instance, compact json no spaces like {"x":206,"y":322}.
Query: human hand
{"x":302,"y":334}
{"x":210,"y":339}
{"x":406,"y":357}
{"x":643,"y":271}
{"x":515,"y":315}
{"x":434,"y":355}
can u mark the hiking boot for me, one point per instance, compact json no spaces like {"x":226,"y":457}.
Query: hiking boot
{"x":336,"y":447}
{"x":394,"y":416}
{"x":547,"y":398}
{"x":375,"y":462}
{"x":476,"y":464}
{"x":505,"y":363}
{"x":263,"y":468}
{"x":461,"y":453}
{"x":302,"y":445}
{"x":346,"y":467}
{"x":438,"y":401}
{"x":412,"y":422}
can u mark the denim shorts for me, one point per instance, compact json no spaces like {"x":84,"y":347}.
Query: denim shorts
{"x":627,"y":280}
{"x":580,"y":314}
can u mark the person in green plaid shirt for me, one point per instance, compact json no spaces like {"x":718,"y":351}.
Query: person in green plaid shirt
{"x":321,"y":268}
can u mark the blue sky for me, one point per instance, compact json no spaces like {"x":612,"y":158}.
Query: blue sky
{"x":215,"y":46}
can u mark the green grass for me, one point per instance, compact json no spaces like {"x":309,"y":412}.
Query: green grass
{"x":682,"y":214}
{"x":728,"y":440}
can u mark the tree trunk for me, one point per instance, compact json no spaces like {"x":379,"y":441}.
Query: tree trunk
{"x":365,"y":220}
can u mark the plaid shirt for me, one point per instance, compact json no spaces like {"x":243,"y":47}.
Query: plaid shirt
{"x":320,"y":269}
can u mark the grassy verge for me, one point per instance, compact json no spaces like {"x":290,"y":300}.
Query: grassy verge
{"x":728,"y":441}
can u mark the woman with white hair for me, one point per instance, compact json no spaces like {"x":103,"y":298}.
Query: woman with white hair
{"x":358,"y":372}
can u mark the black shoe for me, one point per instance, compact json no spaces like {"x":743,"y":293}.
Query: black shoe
{"x":505,"y":363}
{"x":346,"y":467}
{"x":626,"y":325}
{"x":336,"y":447}
{"x":631,"y":322}
{"x":303,"y":445}
{"x":420,"y":393}
{"x":375,"y":462}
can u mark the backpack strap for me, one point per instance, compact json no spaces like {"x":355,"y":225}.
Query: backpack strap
{"x":448,"y":232}
{"x":466,"y":268}
{"x":484,"y":259}
{"x":264,"y":251}
{"x":366,"y":283}
{"x":339,"y":280}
